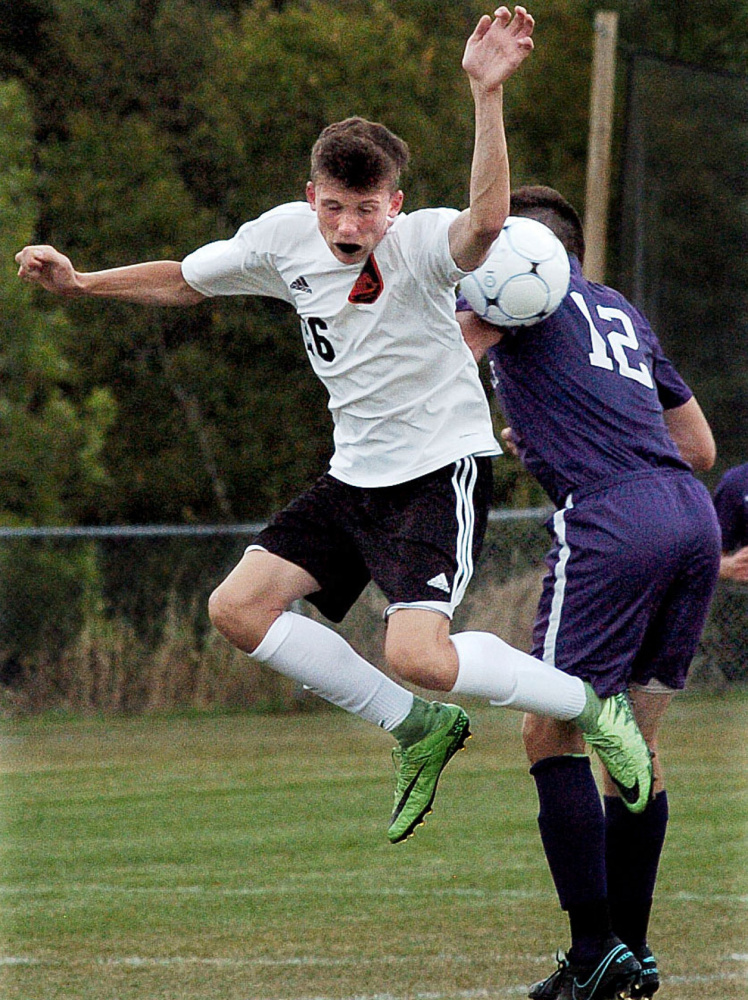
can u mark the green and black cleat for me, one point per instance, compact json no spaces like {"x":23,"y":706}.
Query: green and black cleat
{"x":609,"y":726}
{"x":419,"y":767}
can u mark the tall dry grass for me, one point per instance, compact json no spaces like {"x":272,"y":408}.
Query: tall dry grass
{"x":109,"y":668}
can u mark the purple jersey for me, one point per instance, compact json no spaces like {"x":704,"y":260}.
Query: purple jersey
{"x":635,"y":550}
{"x":731,"y":502}
{"x":585,"y":390}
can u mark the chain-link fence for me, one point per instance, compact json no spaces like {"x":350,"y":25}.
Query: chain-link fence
{"x":684,"y":230}
{"x":681,"y":241}
{"x":723,"y":653}
{"x":116,"y":619}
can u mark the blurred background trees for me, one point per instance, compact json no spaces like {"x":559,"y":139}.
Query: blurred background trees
{"x":140,"y":129}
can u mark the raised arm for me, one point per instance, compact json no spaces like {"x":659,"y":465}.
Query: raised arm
{"x":157,"y":283}
{"x":493,"y":52}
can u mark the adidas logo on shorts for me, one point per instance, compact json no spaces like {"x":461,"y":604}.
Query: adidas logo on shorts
{"x":440,"y":582}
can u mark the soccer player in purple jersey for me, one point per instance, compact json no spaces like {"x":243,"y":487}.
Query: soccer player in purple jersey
{"x":611,"y":431}
{"x":731,"y":504}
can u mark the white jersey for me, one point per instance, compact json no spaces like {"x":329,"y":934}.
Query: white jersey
{"x":405,"y":394}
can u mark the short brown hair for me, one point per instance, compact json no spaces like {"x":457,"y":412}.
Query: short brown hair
{"x":360,"y":155}
{"x":535,"y":201}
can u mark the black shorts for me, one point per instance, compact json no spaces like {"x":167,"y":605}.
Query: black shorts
{"x":418,"y":541}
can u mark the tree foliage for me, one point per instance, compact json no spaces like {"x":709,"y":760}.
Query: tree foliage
{"x":52,"y":425}
{"x":159,"y":125}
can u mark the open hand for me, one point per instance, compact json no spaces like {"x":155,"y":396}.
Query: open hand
{"x":497,"y":47}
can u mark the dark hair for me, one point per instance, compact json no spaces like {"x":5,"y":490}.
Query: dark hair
{"x":535,"y":201}
{"x":360,"y":155}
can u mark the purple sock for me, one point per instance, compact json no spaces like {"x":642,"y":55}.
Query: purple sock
{"x":633,"y":848}
{"x":572,"y":828}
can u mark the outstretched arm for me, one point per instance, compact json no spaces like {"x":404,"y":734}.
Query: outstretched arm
{"x":158,"y":283}
{"x":493,"y":52}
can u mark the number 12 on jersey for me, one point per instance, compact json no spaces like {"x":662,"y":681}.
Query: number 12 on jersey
{"x":618,"y":340}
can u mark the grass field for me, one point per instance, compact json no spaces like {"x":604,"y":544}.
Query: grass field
{"x":244,"y":858}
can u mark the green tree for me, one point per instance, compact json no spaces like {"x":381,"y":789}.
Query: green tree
{"x":52,"y":432}
{"x":163,"y":124}
{"x":52,"y":429}
{"x":203,"y":431}
{"x":713,"y":37}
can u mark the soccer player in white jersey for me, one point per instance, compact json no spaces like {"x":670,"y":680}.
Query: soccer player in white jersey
{"x":406,"y":497}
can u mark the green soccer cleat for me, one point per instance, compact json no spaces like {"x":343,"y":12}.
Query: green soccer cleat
{"x":608,"y":725}
{"x":419,"y":767}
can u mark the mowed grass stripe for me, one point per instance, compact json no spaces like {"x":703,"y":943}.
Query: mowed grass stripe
{"x":245,"y":857}
{"x":505,"y":895}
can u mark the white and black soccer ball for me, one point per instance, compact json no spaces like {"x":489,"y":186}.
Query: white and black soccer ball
{"x":524,"y":278}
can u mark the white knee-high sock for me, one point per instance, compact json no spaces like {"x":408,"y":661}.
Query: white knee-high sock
{"x":491,"y":668}
{"x":322,"y":661}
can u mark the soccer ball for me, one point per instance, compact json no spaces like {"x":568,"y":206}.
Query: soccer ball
{"x":524,"y":278}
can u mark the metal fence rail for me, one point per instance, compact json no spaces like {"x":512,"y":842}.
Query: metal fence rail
{"x":198,"y":530}
{"x":115,"y":618}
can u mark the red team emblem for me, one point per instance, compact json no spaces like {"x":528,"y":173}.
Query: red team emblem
{"x":368,"y":285}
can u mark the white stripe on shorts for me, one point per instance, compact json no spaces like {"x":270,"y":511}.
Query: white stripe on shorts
{"x":559,"y":587}
{"x":463,"y":481}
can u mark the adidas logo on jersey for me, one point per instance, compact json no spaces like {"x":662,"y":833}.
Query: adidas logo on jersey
{"x":300,"y":285}
{"x":440,"y":582}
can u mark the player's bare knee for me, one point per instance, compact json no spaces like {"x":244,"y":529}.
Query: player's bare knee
{"x":221,"y":610}
{"x":238,"y":618}
{"x":532,"y":729}
{"x":529,"y":723}
{"x":419,"y":664}
{"x":418,"y":649}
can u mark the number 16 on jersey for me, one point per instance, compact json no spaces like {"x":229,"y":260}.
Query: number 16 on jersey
{"x":314,"y":339}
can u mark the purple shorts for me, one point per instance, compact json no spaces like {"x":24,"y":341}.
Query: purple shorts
{"x":630,"y":579}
